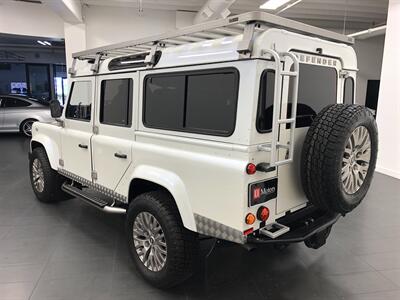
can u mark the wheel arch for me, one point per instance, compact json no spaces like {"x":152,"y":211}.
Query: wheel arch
{"x":49,"y":146}
{"x":148,"y":178}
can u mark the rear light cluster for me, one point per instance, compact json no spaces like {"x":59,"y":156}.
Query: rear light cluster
{"x":250,"y":219}
{"x":262,"y":215}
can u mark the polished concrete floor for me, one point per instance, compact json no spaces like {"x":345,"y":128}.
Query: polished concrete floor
{"x":72,"y":251}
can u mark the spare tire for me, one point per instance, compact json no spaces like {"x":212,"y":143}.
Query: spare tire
{"x":339,"y":156}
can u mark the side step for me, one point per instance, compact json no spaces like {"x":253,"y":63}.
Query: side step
{"x":92,"y":200}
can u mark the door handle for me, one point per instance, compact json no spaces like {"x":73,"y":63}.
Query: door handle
{"x":119,"y":155}
{"x":83,"y":146}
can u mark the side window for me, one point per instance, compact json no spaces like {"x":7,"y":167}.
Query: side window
{"x":348,"y":93}
{"x":265,"y":101}
{"x":211,"y":101}
{"x":14,"y":102}
{"x":200,"y":102}
{"x":164,"y":101}
{"x":80,"y":102}
{"x":116,"y":102}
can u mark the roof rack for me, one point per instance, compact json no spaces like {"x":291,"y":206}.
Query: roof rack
{"x":245,"y":24}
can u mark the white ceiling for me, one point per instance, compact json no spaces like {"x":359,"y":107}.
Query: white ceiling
{"x":325,"y":13}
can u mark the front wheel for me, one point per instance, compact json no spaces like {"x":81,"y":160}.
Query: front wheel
{"x":163,"y":251}
{"x":46,"y":183}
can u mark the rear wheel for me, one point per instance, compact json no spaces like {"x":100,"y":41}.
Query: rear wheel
{"x":163,"y":251}
{"x":46,"y":183}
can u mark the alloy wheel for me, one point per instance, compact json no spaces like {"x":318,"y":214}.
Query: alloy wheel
{"x":149,"y":241}
{"x":37,"y":175}
{"x":27,"y":128}
{"x":356,"y":159}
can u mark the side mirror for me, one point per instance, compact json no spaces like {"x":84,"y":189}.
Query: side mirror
{"x":55,"y":109}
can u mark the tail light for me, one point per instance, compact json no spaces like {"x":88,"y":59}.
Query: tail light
{"x":251,"y":169}
{"x":263,"y":213}
{"x":250,"y":219}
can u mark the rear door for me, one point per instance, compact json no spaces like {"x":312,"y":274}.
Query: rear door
{"x":112,"y":143}
{"x":318,"y":87}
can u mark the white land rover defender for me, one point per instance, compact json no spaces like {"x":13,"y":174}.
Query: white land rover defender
{"x":241,"y":129}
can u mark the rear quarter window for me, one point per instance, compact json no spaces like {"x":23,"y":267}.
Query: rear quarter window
{"x":202,"y":102}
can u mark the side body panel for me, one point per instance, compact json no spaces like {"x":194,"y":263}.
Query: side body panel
{"x":48,"y":135}
{"x":205,"y":173}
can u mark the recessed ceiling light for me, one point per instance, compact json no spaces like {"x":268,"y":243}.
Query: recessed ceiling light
{"x":47,"y":43}
{"x":273,"y":4}
{"x":41,"y":43}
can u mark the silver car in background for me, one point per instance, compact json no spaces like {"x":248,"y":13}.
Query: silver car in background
{"x":17,"y":114}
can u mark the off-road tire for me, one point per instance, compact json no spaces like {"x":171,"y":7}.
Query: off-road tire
{"x":322,"y":155}
{"x":52,"y":180}
{"x":182,"y":244}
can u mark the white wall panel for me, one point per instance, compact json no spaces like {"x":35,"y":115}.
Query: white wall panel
{"x":105,"y":25}
{"x":369,"y":57}
{"x":389,"y":97}
{"x":30,"y":19}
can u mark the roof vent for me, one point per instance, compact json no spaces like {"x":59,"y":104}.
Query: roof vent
{"x":132,"y":61}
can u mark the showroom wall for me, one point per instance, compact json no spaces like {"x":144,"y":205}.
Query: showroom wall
{"x":369,"y":56}
{"x":33,"y":19}
{"x":389,"y":97}
{"x":102,"y":28}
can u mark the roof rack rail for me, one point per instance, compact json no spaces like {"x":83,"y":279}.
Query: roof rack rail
{"x":245,"y":24}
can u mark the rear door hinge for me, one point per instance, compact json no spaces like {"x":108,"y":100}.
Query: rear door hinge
{"x":94,"y":175}
{"x":343,"y":74}
{"x":96,"y":129}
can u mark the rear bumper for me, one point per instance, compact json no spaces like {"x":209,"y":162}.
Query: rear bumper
{"x":303,"y":224}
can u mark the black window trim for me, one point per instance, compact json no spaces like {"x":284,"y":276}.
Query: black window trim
{"x":264,"y":73}
{"x":130,"y":103}
{"x":344,"y":90}
{"x":233,"y":70}
{"x":69,"y":100}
